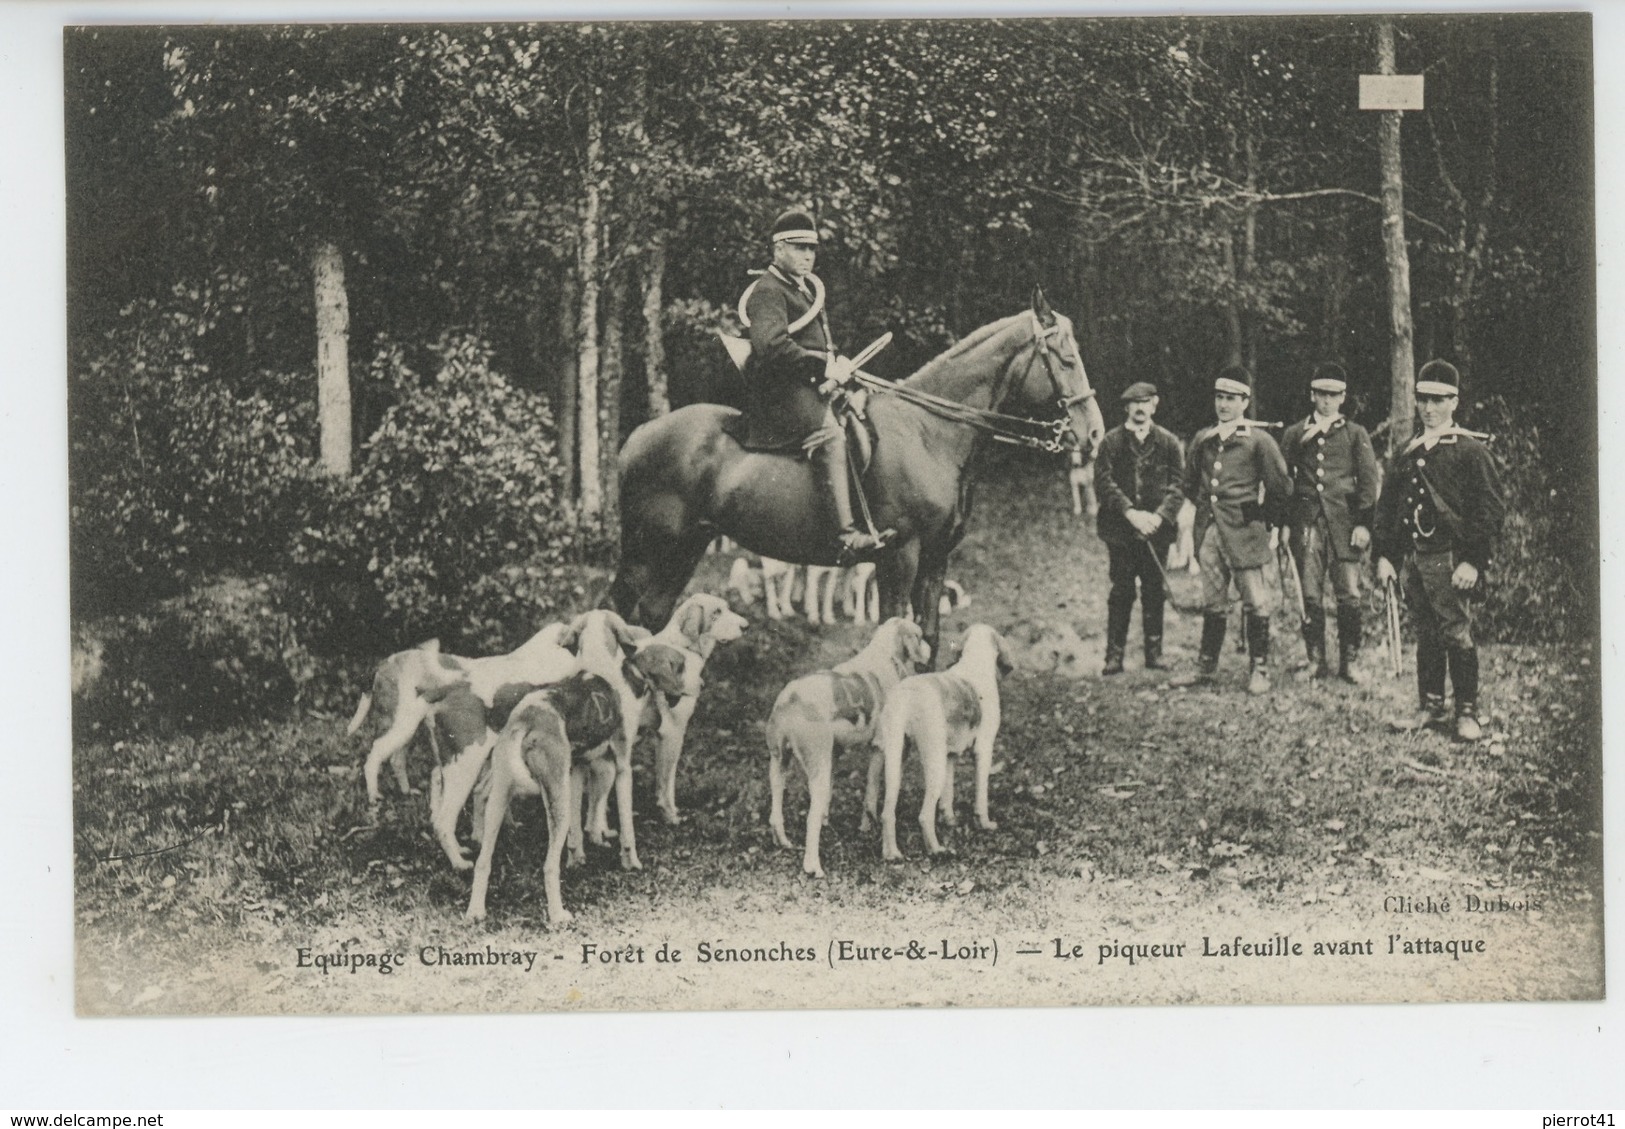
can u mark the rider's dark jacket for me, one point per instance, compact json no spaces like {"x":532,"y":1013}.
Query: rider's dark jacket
{"x":784,"y":371}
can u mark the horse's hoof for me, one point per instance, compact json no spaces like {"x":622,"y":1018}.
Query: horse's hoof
{"x":987,"y":824}
{"x":474,"y":915}
{"x":670,"y":816}
{"x":782,"y":840}
{"x":630,"y":861}
{"x":813,"y":870}
{"x":562,"y":917}
{"x":892,"y":856}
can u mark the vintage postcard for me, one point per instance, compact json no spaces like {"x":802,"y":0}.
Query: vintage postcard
{"x":842,"y":513}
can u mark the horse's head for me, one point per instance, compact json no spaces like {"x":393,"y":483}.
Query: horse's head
{"x":1055,"y":350}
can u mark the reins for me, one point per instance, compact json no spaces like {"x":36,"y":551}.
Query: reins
{"x":1000,"y":426}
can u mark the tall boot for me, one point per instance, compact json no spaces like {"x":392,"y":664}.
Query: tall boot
{"x":1430,"y":674}
{"x":1258,"y":646}
{"x":1464,"y":680}
{"x":1348,"y":644}
{"x":1314,"y":640}
{"x":1118,"y":612}
{"x":1207,"y":659}
{"x":1151,"y":623}
{"x":829,"y":458}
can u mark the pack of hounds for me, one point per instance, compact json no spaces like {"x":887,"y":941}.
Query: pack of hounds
{"x":561,"y":716}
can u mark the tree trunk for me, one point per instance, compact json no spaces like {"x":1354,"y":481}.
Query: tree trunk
{"x":1232,"y":307}
{"x":592,"y":497}
{"x":1401,"y":356}
{"x":654,"y":338}
{"x":332,"y":358}
{"x":614,"y":366}
{"x":564,"y":403}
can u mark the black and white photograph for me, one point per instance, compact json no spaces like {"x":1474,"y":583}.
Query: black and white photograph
{"x":712,"y":515}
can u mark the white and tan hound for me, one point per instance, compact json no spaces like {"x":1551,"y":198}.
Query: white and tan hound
{"x":603,"y":642}
{"x":549,"y":744}
{"x":403,"y":681}
{"x":941,"y":715}
{"x":831,"y":709}
{"x":700,"y":623}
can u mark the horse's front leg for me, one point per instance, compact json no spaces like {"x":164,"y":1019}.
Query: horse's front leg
{"x":895,"y":573}
{"x":927,"y":598}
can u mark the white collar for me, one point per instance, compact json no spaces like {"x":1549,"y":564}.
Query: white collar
{"x":1317,"y":425}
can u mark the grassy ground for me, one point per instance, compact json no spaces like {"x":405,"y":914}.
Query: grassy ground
{"x":1129,"y":812}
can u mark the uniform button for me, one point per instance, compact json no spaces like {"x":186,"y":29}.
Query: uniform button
{"x":1218,"y":466}
{"x":1321,"y":440}
{"x":1321,"y":486}
{"x":1320,"y":455}
{"x":1214,"y":499}
{"x":1215,"y":482}
{"x":1321,"y":473}
{"x":1421,"y":462}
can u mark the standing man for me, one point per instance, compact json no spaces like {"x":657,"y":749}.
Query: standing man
{"x":794,"y":376}
{"x":1238,"y":482}
{"x":1334,"y":501}
{"x":1438,"y":517}
{"x":1137,"y":478}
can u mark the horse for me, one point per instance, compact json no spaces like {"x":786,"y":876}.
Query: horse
{"x":684,"y":480}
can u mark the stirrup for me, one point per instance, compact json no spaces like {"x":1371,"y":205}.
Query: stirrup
{"x":856,"y":542}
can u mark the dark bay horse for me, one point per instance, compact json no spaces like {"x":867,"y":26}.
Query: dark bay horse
{"x":683,"y":480}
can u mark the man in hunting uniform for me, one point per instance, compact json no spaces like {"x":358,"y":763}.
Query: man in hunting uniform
{"x":1334,"y":500}
{"x":796,"y":381}
{"x":1438,"y":518}
{"x":1137,"y":478}
{"x":1238,"y":482}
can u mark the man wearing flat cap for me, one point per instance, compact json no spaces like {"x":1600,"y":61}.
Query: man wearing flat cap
{"x":1137,"y":478}
{"x":794,"y":374}
{"x":1238,"y":482}
{"x":1438,"y":518}
{"x":1334,"y":501}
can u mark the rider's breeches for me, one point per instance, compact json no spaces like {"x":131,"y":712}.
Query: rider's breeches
{"x":1216,"y":577}
{"x":1318,"y":565}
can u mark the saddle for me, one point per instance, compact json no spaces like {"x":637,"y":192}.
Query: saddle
{"x":860,"y":437}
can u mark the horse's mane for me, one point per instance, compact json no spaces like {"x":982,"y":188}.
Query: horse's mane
{"x":964,"y":345}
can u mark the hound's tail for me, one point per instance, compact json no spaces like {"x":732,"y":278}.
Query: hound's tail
{"x":361,"y":712}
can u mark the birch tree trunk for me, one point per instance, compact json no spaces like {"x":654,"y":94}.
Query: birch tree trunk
{"x":654,"y":338}
{"x":564,"y":402}
{"x":1401,"y":355}
{"x":609,"y":414}
{"x":592,"y":495}
{"x":332,"y":358}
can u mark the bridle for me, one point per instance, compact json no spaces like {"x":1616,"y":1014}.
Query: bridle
{"x":1053,"y":435}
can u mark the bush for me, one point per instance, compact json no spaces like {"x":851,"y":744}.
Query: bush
{"x":174,"y":474}
{"x":224,"y":653}
{"x":455,"y":514}
{"x":1536,"y":590}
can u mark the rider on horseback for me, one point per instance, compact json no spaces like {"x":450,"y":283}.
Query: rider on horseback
{"x":797,"y":382}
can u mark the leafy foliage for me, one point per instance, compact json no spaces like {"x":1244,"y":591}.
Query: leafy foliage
{"x":454,"y":514}
{"x":1536,"y":591}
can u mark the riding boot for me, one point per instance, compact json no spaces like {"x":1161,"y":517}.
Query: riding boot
{"x":1258,"y":645}
{"x":1117,"y":618}
{"x":1314,"y":640}
{"x":1464,"y":680}
{"x":1207,"y":659}
{"x":830,"y":460}
{"x":1348,"y":644}
{"x":1430,"y":674}
{"x":1151,"y":624}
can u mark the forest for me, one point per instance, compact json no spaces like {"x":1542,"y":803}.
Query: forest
{"x":364,"y":312}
